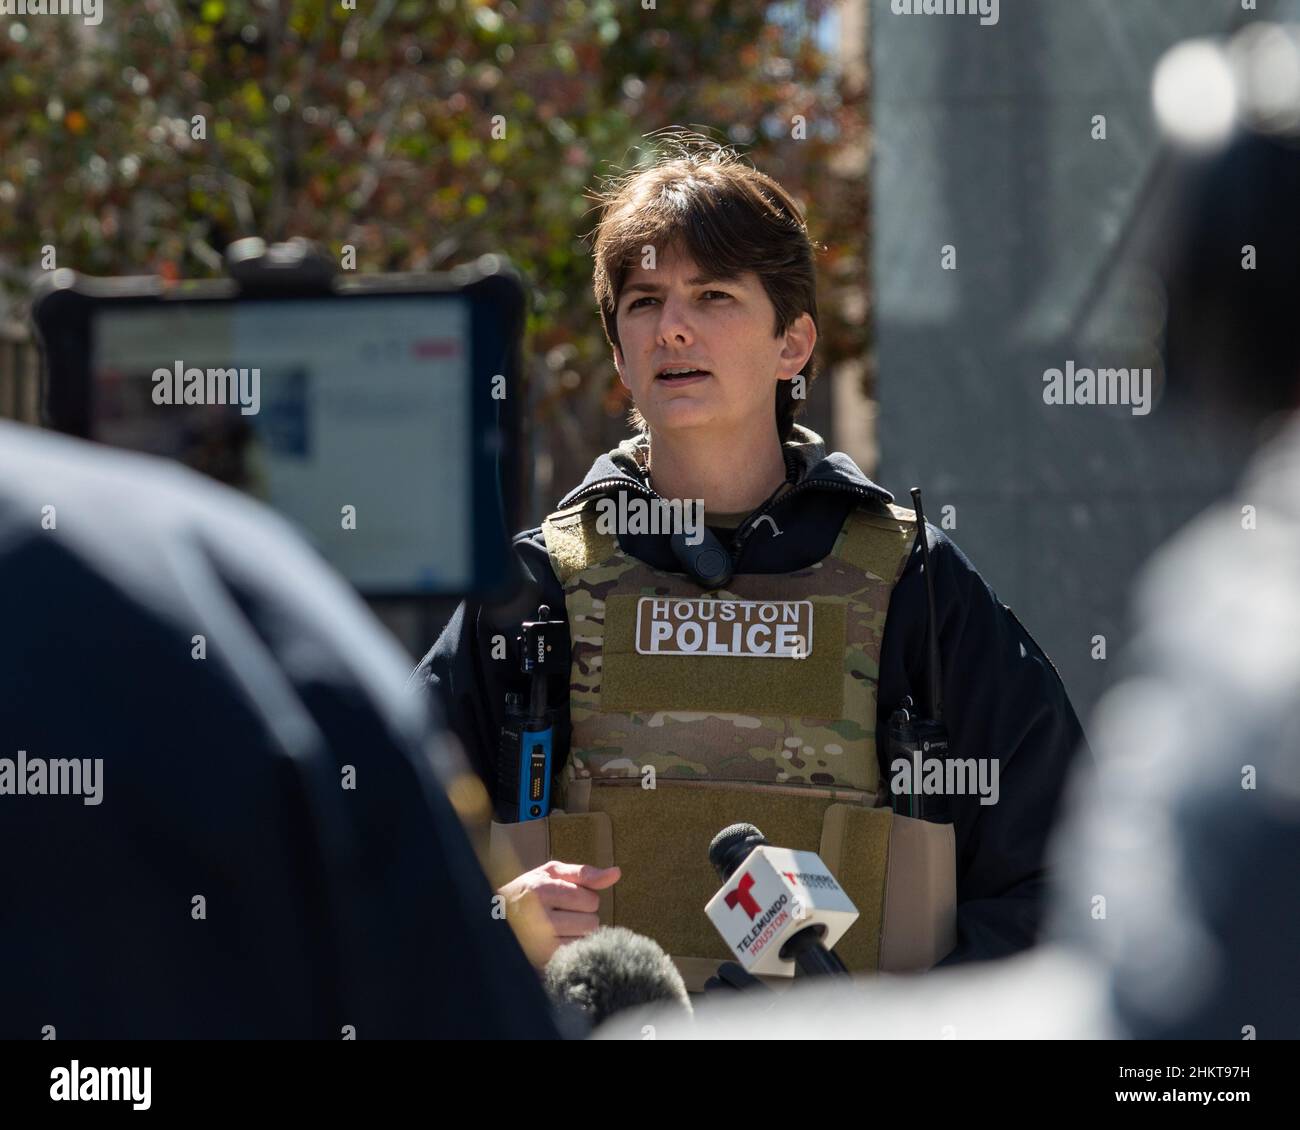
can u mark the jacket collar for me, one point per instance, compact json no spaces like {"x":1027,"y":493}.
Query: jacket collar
{"x":805,"y":454}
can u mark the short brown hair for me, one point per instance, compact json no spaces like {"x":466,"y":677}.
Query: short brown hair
{"x":730,"y":218}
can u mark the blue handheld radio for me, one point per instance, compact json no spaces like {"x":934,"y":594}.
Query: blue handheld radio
{"x":524,"y":757}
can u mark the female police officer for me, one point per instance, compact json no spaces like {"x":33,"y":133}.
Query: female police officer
{"x":756,"y":689}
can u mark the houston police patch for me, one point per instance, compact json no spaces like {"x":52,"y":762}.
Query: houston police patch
{"x":780,"y":629}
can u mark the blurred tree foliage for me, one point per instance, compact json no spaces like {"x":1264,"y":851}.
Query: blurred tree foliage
{"x":374,"y":128}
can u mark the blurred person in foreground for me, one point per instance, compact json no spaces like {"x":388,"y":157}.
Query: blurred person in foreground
{"x":222,"y":813}
{"x":1191,"y":831}
{"x":1178,"y":914}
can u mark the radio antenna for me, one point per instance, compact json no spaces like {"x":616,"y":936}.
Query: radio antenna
{"x":934,"y":675}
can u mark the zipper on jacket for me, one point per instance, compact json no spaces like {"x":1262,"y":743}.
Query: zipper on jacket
{"x":747,"y":526}
{"x":626,"y":482}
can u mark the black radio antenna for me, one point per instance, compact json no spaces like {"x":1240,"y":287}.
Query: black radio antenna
{"x":934,"y":675}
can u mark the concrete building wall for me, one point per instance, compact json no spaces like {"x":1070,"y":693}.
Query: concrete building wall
{"x":983,"y":142}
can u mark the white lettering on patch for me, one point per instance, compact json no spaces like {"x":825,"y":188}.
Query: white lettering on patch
{"x":778,"y":629}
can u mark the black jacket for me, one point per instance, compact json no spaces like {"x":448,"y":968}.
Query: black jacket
{"x":1002,"y":696}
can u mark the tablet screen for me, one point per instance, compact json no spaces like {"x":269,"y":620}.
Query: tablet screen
{"x":313,"y":407}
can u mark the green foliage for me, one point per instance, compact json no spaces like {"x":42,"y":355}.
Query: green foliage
{"x":374,"y":128}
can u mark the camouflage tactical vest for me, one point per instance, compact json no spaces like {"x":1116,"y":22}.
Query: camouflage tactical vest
{"x":692,"y":709}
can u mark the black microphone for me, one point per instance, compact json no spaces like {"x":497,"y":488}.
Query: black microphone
{"x":610,"y":970}
{"x":708,"y":562}
{"x":729,"y":849}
